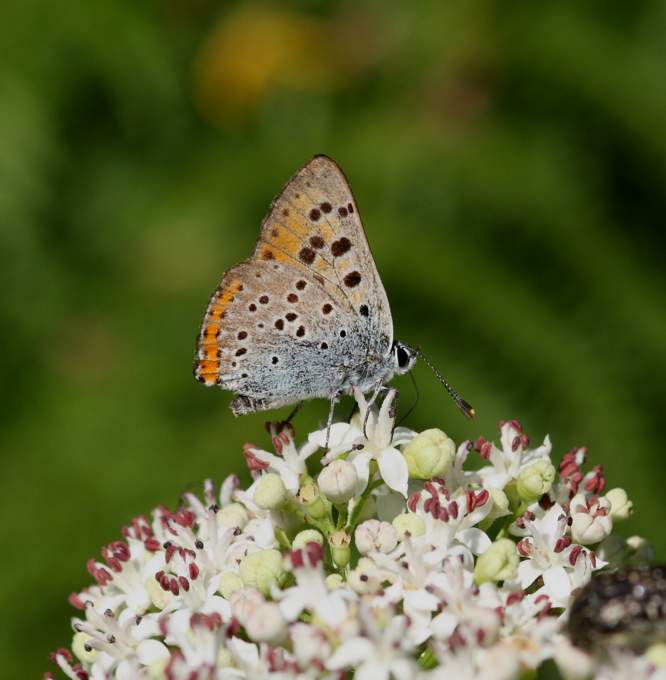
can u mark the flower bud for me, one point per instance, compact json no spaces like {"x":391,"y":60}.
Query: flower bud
{"x":656,"y":654}
{"x":338,"y":481}
{"x":590,"y":519}
{"x":314,"y":504}
{"x":233,"y":515}
{"x":640,"y":551}
{"x":621,"y":506}
{"x":339,"y":542}
{"x":430,"y":454}
{"x":265,"y":623}
{"x":154,"y":656}
{"x":229,"y":583}
{"x":244,"y":602}
{"x":535,"y":480}
{"x":375,"y":536}
{"x":261,"y":569}
{"x":334,"y":581}
{"x":498,"y":563}
{"x":270,"y":493}
{"x":79,"y":647}
{"x":306,"y":536}
{"x":408,"y":523}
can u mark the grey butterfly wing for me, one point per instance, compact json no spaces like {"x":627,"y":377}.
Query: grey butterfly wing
{"x":308,"y":310}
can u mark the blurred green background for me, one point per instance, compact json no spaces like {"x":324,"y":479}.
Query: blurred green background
{"x":509,"y":161}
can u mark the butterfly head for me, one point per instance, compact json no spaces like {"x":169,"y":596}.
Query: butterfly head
{"x":404,"y":357}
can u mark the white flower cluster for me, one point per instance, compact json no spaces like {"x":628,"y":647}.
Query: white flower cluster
{"x":394,"y":561}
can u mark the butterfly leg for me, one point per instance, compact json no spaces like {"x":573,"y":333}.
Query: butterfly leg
{"x":290,"y":417}
{"x":331,"y":412}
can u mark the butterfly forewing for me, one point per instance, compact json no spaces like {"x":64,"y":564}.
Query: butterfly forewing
{"x":307,"y":308}
{"x":314,"y":223}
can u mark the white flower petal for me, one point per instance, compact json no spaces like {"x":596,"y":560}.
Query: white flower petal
{"x":361,"y":461}
{"x":341,"y":437}
{"x":230,"y":484}
{"x":402,"y":436}
{"x":151,"y":651}
{"x":126,"y":670}
{"x":527,"y":573}
{"x":371,"y":670}
{"x":443,"y":625}
{"x":350,"y":653}
{"x":393,"y":469}
{"x":475,"y":539}
{"x":332,"y":611}
{"x":557,"y":583}
{"x":291,"y":606}
{"x":420,"y":600}
{"x":245,"y":653}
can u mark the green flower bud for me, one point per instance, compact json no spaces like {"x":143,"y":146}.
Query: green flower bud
{"x":229,"y":583}
{"x":79,"y":642}
{"x":621,"y":506}
{"x":334,"y":581}
{"x":306,"y":536}
{"x":535,"y":480}
{"x":430,"y":454}
{"x":233,"y":515}
{"x":340,"y":551}
{"x":498,"y":563}
{"x":408,"y":523}
{"x":261,"y":569}
{"x":270,"y":493}
{"x":657,"y":654}
{"x":315,"y":506}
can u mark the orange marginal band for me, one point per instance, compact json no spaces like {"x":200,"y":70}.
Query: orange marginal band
{"x":207,"y":369}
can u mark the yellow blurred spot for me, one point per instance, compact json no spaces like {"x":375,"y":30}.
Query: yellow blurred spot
{"x":258,"y":49}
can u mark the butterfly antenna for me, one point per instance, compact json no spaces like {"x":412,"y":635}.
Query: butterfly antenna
{"x":416,"y":400}
{"x":467,"y":410}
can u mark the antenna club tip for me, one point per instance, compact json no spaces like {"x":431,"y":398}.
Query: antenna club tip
{"x":467,"y":409}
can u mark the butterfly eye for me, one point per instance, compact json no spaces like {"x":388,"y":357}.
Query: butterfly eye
{"x":404,"y":358}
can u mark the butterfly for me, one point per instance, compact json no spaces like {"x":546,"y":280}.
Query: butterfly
{"x":306,"y":316}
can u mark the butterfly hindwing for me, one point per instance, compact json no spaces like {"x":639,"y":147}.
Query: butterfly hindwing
{"x":274,"y":334}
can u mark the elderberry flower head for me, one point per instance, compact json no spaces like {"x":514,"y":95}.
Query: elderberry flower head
{"x":396,"y":559}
